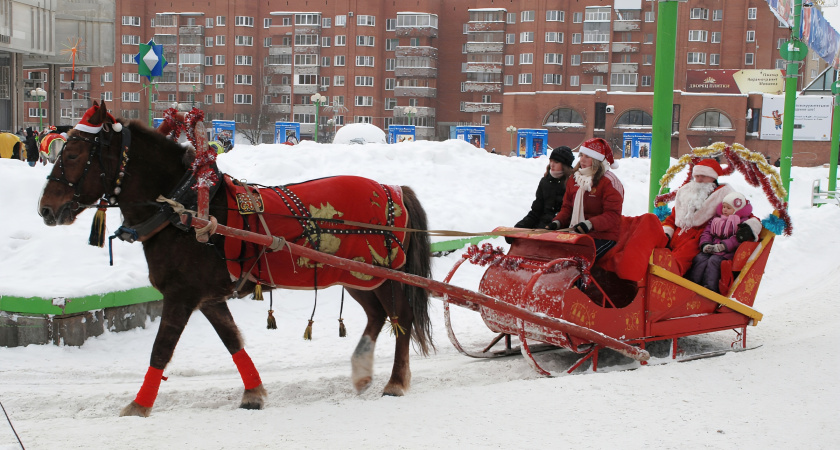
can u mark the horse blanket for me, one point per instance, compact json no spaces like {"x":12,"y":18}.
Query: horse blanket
{"x":314,"y":214}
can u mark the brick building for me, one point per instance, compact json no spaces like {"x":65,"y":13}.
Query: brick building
{"x":576,"y":68}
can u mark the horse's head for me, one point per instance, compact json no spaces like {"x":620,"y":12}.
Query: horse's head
{"x":87,"y":168}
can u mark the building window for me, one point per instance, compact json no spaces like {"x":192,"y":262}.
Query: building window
{"x":526,"y":58}
{"x":717,"y":15}
{"x":634,"y":118}
{"x":752,"y":13}
{"x":341,"y":21}
{"x":709,"y":120}
{"x":647,"y":59}
{"x":552,"y":78}
{"x":508,"y":80}
{"x":714,"y":59}
{"x":267,"y":22}
{"x":133,"y":97}
{"x":326,"y":22}
{"x":553,"y":58}
{"x":390,"y":24}
{"x":577,"y":17}
{"x":485,"y":119}
{"x":132,"y":21}
{"x":208,"y":61}
{"x":220,"y":22}
{"x":598,"y":79}
{"x":553,"y":36}
{"x":750,"y":35}
{"x":325,"y":61}
{"x":364,"y":61}
{"x":364,"y":81}
{"x":648,"y":38}
{"x":220,"y":40}
{"x":339,"y":60}
{"x":781,"y":64}
{"x":650,"y":16}
{"x":364,"y":41}
{"x":698,"y":35}
{"x":646,"y":80}
{"x":243,"y":21}
{"x":696,"y":58}
{"x":338,"y":80}
{"x":623,"y":79}
{"x":244,"y":60}
{"x":307,"y":19}
{"x":575,"y":60}
{"x":128,"y":58}
{"x":325,"y":41}
{"x":129,"y":39}
{"x":220,"y":60}
{"x":208,"y":41}
{"x":528,"y":16}
{"x":555,"y":16}
{"x":574,"y":80}
{"x":716,"y":37}
{"x":749,"y":59}
{"x":576,"y":38}
{"x":509,"y":60}
{"x":390,"y":64}
{"x":699,"y":13}
{"x":390,"y":83}
{"x":362,"y":119}
{"x":526,"y":36}
{"x":220,"y":80}
{"x":243,"y":79}
{"x":564,"y":116}
{"x":340,"y":40}
{"x":391,"y":44}
{"x":220,"y":98}
{"x":364,"y":100}
{"x":511,"y":18}
{"x":365,"y":21}
{"x":510,"y":38}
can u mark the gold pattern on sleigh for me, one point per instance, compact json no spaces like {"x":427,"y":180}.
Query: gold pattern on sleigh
{"x":246,"y":206}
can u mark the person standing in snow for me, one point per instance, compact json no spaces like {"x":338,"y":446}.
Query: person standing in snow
{"x":31,"y":145}
{"x":594,"y":197}
{"x":694,"y":206}
{"x":551,"y":189}
{"x":719,"y":241}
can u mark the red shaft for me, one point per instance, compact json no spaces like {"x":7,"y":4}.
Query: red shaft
{"x":435,"y":286}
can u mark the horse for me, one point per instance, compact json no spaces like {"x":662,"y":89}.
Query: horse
{"x":129,"y":165}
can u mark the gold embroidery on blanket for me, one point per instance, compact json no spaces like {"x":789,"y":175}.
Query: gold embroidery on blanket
{"x":244,"y":204}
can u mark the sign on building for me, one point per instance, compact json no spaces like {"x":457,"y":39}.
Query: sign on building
{"x":812,"y":121}
{"x":735,"y":81}
{"x":637,"y":145}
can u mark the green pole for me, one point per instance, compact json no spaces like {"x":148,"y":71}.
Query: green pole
{"x":317,"y":107}
{"x":835,"y":136}
{"x":663,"y":94}
{"x":149,"y":97}
{"x":791,"y":76}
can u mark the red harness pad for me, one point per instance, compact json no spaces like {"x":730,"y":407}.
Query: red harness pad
{"x":292,"y":211}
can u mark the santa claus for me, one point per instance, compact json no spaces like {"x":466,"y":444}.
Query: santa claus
{"x":694,"y":206}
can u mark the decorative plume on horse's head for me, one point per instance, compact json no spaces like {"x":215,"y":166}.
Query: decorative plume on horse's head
{"x":94,"y":119}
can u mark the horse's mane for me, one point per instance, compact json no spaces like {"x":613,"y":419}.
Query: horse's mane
{"x":142,"y":132}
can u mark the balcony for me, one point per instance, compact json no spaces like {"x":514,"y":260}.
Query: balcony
{"x":191,"y":30}
{"x":420,"y":31}
{"x":278,"y":69}
{"x":625,"y":47}
{"x":306,"y":70}
{"x":625,"y":68}
{"x":276,"y":108}
{"x":403,"y":51}
{"x":415,"y":72}
{"x":308,"y":29}
{"x":595,"y":38}
{"x":473,"y":107}
{"x":303,"y":89}
{"x":485,"y":47}
{"x":627,"y":25}
{"x":596,"y":68}
{"x":482,"y":67}
{"x":80,"y":85}
{"x":307,"y":50}
{"x":422,"y":111}
{"x":474,"y":27}
{"x":415,"y":91}
{"x":476,"y":86}
{"x":273,"y":89}
{"x":304,"y":109}
{"x":275,"y":50}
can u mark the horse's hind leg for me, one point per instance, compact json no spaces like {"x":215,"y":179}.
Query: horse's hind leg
{"x":362,"y":359}
{"x":219,"y":316}
{"x":394,"y":302}
{"x":174,"y":318}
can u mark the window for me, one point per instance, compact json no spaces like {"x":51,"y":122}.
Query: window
{"x":341,"y":21}
{"x":340,"y":40}
{"x":697,"y":35}
{"x":326,"y":22}
{"x":717,"y":15}
{"x":366,"y":41}
{"x":414,"y":42}
{"x":526,"y":36}
{"x":576,"y":38}
{"x":325,"y":61}
{"x":624,"y":79}
{"x":128,"y":58}
{"x":306,"y":60}
{"x":648,"y":38}
{"x":750,"y":35}
{"x":575,"y":60}
{"x":525,"y":78}
{"x":716,"y":37}
{"x":781,"y":64}
{"x":526,"y":58}
{"x":220,"y":39}
{"x":208,"y":22}
{"x":485,"y":119}
{"x":510,"y":38}
{"x":365,"y":21}
{"x":220,"y":80}
{"x":325,"y":83}
{"x":244,"y":60}
{"x":564,"y":116}
{"x":555,"y":16}
{"x":553,"y":58}
{"x":528,"y":16}
{"x":307,"y":19}
{"x":220,"y":98}
{"x":634,"y":118}
{"x":133,"y":97}
{"x":267,"y":22}
{"x":243,"y":21}
{"x":189,"y":58}
{"x":749,"y":59}
{"x":338,"y":80}
{"x":508,"y":80}
{"x":304,"y":118}
{"x":696,"y":58}
{"x":129,"y":39}
{"x":107,"y":77}
{"x":552,"y":78}
{"x":390,"y":64}
{"x":220,"y":22}
{"x":243,"y":79}
{"x":650,"y":16}
{"x":553,"y":36}
{"x":390,"y":24}
{"x":247,"y":41}
{"x":646,"y":80}
{"x":132,"y":21}
{"x":647,"y":59}
{"x":364,"y":100}
{"x":509,"y":60}
{"x":574,"y":80}
{"x":208,"y":80}
{"x":220,"y":60}
{"x":577,"y":17}
{"x":364,"y":61}
{"x":390,"y":104}
{"x":325,"y":41}
{"x":131,"y":77}
{"x":752,"y":13}
{"x":699,"y":13}
{"x":390,"y":83}
{"x":362,"y":119}
{"x":338,"y":100}
{"x":364,"y":81}
{"x":208,"y":41}
{"x":306,"y":39}
{"x":711,"y":119}
{"x":391,"y":44}
{"x":511,"y":18}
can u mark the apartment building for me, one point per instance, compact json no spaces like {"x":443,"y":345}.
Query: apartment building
{"x":577,"y":68}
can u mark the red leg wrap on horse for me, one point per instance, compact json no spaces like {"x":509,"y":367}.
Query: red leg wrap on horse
{"x":249,"y":374}
{"x":148,"y":392}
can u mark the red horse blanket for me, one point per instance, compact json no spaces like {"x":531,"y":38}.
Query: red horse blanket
{"x":313,"y":214}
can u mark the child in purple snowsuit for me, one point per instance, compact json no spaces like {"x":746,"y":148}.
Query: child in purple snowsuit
{"x":718,"y":242}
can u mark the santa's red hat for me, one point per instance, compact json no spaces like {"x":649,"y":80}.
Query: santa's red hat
{"x":599,"y":149}
{"x":87,"y":127}
{"x":709,"y":168}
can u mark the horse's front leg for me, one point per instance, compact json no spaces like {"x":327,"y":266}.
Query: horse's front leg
{"x":176,"y":313}
{"x":219,"y":316}
{"x":362,"y":359}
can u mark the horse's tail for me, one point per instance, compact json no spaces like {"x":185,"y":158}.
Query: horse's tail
{"x":418,"y":262}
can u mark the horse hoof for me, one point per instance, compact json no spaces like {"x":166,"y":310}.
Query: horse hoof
{"x":392,"y":390}
{"x":253,"y":398}
{"x":362,"y":384}
{"x":134,"y":409}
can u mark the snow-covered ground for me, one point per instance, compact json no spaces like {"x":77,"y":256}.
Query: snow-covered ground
{"x":783,"y":394}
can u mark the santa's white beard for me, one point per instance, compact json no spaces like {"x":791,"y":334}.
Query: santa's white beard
{"x":691,"y":197}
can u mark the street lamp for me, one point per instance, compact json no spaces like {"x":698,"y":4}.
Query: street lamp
{"x":331,"y":123}
{"x":409,"y":111}
{"x":512,"y":130}
{"x":317,"y":99}
{"x":41,"y":95}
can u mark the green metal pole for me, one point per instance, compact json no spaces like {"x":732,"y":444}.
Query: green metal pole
{"x":835,"y":137}
{"x":317,"y":107}
{"x":663,"y":95}
{"x":149,"y":97}
{"x":791,"y":77}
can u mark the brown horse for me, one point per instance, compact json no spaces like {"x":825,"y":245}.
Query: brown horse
{"x":130,"y":165}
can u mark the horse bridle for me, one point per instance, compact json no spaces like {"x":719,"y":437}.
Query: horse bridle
{"x":102,"y":139}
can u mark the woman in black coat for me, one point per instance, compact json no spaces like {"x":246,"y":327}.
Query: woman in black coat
{"x":550,"y":191}
{"x":31,"y":147}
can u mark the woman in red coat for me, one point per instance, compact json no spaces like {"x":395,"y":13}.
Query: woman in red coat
{"x":594,"y":197}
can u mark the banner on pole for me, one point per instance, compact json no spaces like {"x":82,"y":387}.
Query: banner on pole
{"x":812,"y":118}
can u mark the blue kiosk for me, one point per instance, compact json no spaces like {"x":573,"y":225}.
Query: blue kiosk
{"x":401,"y":133}
{"x":286,"y":132}
{"x":533,"y":142}
{"x":473,"y":134}
{"x":637,"y":145}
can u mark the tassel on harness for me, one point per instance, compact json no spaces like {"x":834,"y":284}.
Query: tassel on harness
{"x":97,"y":227}
{"x":258,"y":295}
{"x":272,"y":322}
{"x":342,"y":332}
